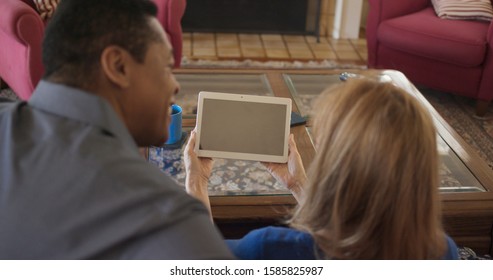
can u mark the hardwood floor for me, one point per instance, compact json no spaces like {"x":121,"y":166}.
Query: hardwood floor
{"x":263,"y":47}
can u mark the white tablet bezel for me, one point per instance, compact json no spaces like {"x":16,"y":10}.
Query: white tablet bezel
{"x":244,"y":98}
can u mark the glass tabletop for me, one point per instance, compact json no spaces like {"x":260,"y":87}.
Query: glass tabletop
{"x":454,"y":174}
{"x":192,"y":84}
{"x":237,"y":177}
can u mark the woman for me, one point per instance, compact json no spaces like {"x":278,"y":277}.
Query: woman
{"x":372,"y":191}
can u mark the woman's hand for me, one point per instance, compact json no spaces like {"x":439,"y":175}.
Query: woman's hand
{"x":291,"y":174}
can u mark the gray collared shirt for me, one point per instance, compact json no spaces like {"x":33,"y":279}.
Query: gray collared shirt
{"x":73,"y":186}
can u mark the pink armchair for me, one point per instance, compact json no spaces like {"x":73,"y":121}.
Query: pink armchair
{"x":21,"y":35}
{"x":169,"y":15}
{"x":454,"y":56}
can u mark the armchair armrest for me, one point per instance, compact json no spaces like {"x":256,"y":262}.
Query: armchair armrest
{"x":381,"y":10}
{"x":175,"y":13}
{"x":486,"y":85}
{"x":21,"y":34}
{"x":20,"y":20}
{"x":169,"y":15}
{"x":489,"y":36}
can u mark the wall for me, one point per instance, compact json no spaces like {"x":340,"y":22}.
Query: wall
{"x":327,"y":16}
{"x":345,"y":25}
{"x":364,"y":14}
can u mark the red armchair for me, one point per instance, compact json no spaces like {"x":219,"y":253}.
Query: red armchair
{"x":454,"y":56}
{"x":21,"y":35}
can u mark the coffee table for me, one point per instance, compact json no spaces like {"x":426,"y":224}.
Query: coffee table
{"x":244,"y":195}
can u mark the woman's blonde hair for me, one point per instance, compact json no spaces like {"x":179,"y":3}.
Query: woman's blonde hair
{"x":373,"y":185}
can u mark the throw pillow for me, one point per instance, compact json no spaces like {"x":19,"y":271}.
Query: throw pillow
{"x":46,"y":8}
{"x":464,"y":9}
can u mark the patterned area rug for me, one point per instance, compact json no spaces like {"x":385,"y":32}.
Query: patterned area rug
{"x":9,"y":94}
{"x":458,"y":111}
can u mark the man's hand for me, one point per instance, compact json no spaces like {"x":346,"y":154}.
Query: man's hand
{"x":198,"y":170}
{"x":291,"y":174}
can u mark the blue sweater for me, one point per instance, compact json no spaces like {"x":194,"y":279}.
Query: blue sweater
{"x":279,"y":243}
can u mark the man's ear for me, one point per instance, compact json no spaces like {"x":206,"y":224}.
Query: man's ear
{"x":115,"y":64}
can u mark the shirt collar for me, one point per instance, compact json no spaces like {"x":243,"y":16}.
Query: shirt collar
{"x":79,"y":105}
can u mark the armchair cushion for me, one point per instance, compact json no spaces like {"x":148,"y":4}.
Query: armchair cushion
{"x":46,"y":8}
{"x":425,"y":35}
{"x":464,"y":9}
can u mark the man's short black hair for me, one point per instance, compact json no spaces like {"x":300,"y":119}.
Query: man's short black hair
{"x":81,"y":29}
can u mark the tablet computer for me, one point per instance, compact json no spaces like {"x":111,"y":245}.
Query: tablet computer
{"x":247,"y":127}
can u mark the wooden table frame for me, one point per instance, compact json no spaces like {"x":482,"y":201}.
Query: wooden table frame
{"x":468,"y":217}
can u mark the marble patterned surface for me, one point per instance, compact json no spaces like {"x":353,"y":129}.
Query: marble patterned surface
{"x":229,"y":177}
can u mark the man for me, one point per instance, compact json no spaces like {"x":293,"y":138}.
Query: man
{"x":72,"y":182}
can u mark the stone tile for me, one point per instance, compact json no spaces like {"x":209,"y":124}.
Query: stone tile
{"x":313,"y":40}
{"x":342,"y":46}
{"x":203,"y":36}
{"x":187,"y":51}
{"x":299,"y":54}
{"x":362,"y":49}
{"x":298,"y":46}
{"x":274,"y":44}
{"x":271,"y":37}
{"x":364,"y":56}
{"x":321,"y":47}
{"x":320,"y":54}
{"x":294,"y":38}
{"x":227,"y":40}
{"x":348,"y":55}
{"x":204,"y":52}
{"x":229,"y":49}
{"x":360,"y":41}
{"x":277,"y":53}
{"x":187,"y":45}
{"x":206,"y":40}
{"x":251,"y":44}
{"x":253,"y":52}
{"x":249,"y":37}
{"x":226,"y":36}
{"x":186,"y":36}
{"x":229,"y":53}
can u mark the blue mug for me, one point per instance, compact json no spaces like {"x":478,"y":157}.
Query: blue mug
{"x":174,"y":130}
